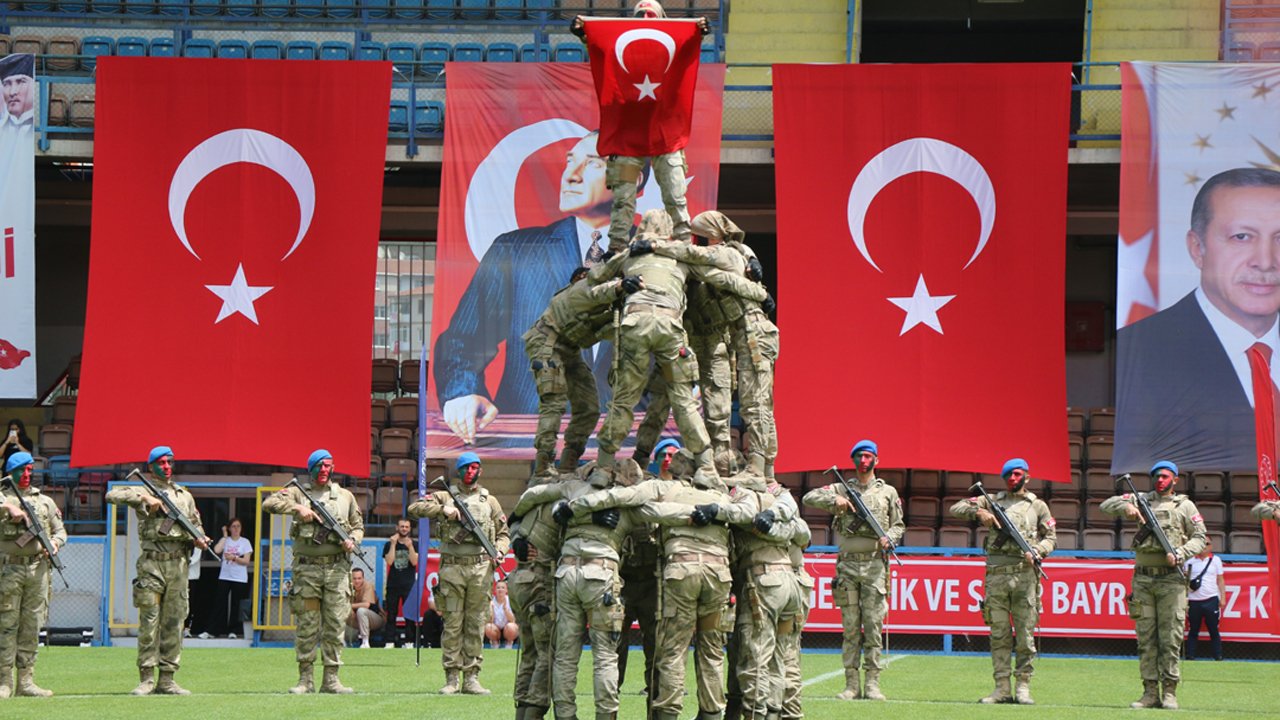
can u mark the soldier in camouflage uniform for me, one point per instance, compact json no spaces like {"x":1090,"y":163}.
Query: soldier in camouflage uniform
{"x":695,"y":579}
{"x":466,"y":572}
{"x":1012,"y":585}
{"x":160,"y":588}
{"x":535,"y":542}
{"x":1158,"y":604}
{"x":320,"y":597}
{"x":572,"y":321}
{"x":24,"y":577}
{"x":793,"y":681}
{"x":862,"y":570}
{"x":1267,"y":510}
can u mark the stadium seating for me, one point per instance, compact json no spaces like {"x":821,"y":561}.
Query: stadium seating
{"x":131,"y":47}
{"x":91,"y":48}
{"x":1208,"y":485}
{"x":275,"y":8}
{"x":1238,"y":52}
{"x":55,"y":440}
{"x":241,"y":8}
{"x":409,"y":372}
{"x":926,"y":482}
{"x":377,"y":8}
{"x":161,"y":47}
{"x":404,"y":412}
{"x":386,"y":375}
{"x":198,"y":48}
{"x":918,"y":537}
{"x":335,"y":50}
{"x":62,"y":50}
{"x":107,"y":7}
{"x":301,"y":50}
{"x":389,"y":502}
{"x":1249,"y":543}
{"x":375,"y":440}
{"x":64,"y":410}
{"x":371,"y":51}
{"x":1269,"y":51}
{"x":440,"y":9}
{"x":1099,"y":539}
{"x":57,"y":114}
{"x":396,"y":442}
{"x":397,"y":470}
{"x":233,"y":49}
{"x":379,"y":411}
{"x":398,"y":122}
{"x":432,"y":57}
{"x":508,"y":9}
{"x":529,"y":52}
{"x":474,"y":9}
{"x":340,"y":8}
{"x":570,"y":52}
{"x":922,"y":511}
{"x":33,"y":44}
{"x":955,"y":537}
{"x":308,"y":8}
{"x":501,"y":52}
{"x":403,"y":55}
{"x":140,"y":7}
{"x":267,"y":50}
{"x":1068,"y":539}
{"x":198,"y":7}
{"x":428,"y":116}
{"x":408,"y":9}
{"x":710,"y":54}
{"x":468,"y":52}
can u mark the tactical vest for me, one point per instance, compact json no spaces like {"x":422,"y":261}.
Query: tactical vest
{"x":713,"y":538}
{"x":877,"y":498}
{"x":454,"y":537}
{"x":1022,"y":512}
{"x":156,"y":527}
{"x":313,"y":538}
{"x":752,"y":549}
{"x":542,"y":532}
{"x":11,"y":529}
{"x":1168,"y":513}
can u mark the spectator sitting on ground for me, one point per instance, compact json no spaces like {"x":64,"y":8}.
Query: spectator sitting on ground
{"x":502,"y":624}
{"x":365,"y":615}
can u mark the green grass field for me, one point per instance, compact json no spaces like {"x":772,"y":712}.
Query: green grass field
{"x":242,"y":684}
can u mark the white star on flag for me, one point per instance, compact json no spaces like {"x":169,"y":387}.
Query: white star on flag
{"x":238,"y":297}
{"x":1133,"y":288}
{"x":646,"y":88}
{"x":921,"y":307}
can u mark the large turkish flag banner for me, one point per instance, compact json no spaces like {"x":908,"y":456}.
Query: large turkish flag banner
{"x":645,"y":72}
{"x":921,"y":251}
{"x":231,"y":274}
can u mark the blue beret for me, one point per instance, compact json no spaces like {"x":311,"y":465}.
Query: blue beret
{"x":1014,"y":464}
{"x":316,"y":457}
{"x":1164,"y":465}
{"x":158,"y":452}
{"x":869,"y":445}
{"x":466,"y":459}
{"x":664,"y":444}
{"x":17,"y":460}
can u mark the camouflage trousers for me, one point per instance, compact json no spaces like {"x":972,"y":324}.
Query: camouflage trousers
{"x":655,"y":415}
{"x":640,"y":604}
{"x":160,"y":595}
{"x":793,"y":681}
{"x":463,"y":602}
{"x":320,"y":600}
{"x":715,"y":383}
{"x":754,"y":345}
{"x":1159,"y":611}
{"x":860,"y":591}
{"x":587,"y":596}
{"x":1012,"y":611}
{"x":533,"y":602}
{"x":622,"y":175}
{"x":24,"y":608}
{"x":563,"y":379}
{"x":694,"y":598}
{"x":768,"y":612}
{"x":642,"y":335}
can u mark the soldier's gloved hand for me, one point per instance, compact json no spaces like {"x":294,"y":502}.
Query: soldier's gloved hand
{"x":755,"y":270}
{"x":579,"y":27}
{"x":632,"y":283}
{"x":763,"y":521}
{"x":768,"y":305}
{"x":562,"y":513}
{"x":704,"y":27}
{"x":641,"y":246}
{"x":606,"y":518}
{"x":520,"y":548}
{"x":703,"y":514}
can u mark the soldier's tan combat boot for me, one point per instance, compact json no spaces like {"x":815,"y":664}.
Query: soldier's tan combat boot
{"x":6,"y":683}
{"x":543,"y":464}
{"x":1150,"y":695}
{"x":331,"y":684}
{"x":146,"y":681}
{"x":27,"y":685}
{"x":450,"y":683}
{"x":872,"y":691}
{"x":1170,"y":699}
{"x":569,"y":459}
{"x":306,"y":680}
{"x":1000,"y":694}
{"x":757,"y":464}
{"x":602,"y":475}
{"x":851,"y":690}
{"x":471,"y":685}
{"x":167,"y":686}
{"x":1022,"y":692}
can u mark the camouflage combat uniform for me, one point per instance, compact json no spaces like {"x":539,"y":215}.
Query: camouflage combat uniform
{"x":24,"y":588}
{"x":793,"y":681}
{"x":532,"y":593}
{"x":622,"y":174}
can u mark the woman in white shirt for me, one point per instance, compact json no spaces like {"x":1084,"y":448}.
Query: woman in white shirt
{"x":502,"y":625}
{"x":1206,"y":598}
{"x":233,"y":582}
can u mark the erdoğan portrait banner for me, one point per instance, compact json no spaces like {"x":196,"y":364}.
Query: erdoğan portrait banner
{"x":522,"y":192}
{"x":921,"y":260}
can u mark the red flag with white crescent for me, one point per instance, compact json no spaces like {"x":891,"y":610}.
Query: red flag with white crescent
{"x":231,"y":275}
{"x":921,"y":217}
{"x":645,"y":72}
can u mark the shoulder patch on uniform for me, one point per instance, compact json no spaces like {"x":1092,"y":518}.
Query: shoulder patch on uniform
{"x":973,"y":501}
{"x":1051,"y":522}
{"x":899,"y":501}
{"x":1127,"y":496}
{"x":1197,"y":518}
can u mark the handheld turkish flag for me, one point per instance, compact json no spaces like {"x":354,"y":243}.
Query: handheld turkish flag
{"x":645,"y":73}
{"x":921,"y":222}
{"x":231,"y":275}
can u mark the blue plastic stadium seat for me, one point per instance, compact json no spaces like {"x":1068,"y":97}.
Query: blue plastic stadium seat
{"x":107,"y":6}
{"x":162,"y":47}
{"x":377,"y":8}
{"x":428,"y":116}
{"x":441,"y":9}
{"x":267,"y":50}
{"x":709,"y":54}
{"x":433,"y":57}
{"x":408,"y":8}
{"x":335,"y":50}
{"x":233,"y":49}
{"x":66,"y":7}
{"x":570,"y":52}
{"x":93,"y":46}
{"x":508,"y":9}
{"x":404,"y":55}
{"x":301,"y":50}
{"x":197,"y":48}
{"x":341,"y":8}
{"x":532,"y":7}
{"x":39,"y":7}
{"x":140,"y":7}
{"x":275,"y":8}
{"x":468,"y":52}
{"x":371,"y":51}
{"x":198,"y":7}
{"x":530,"y":52}
{"x":241,"y":8}
{"x":131,"y":47}
{"x":474,"y":9}
{"x":501,"y":52}
{"x":398,"y":121}
{"x":308,"y":8}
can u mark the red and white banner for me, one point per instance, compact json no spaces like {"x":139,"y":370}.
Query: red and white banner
{"x":231,"y":274}
{"x":645,"y":74}
{"x":17,"y":227}
{"x":522,"y":192}
{"x":921,"y":260}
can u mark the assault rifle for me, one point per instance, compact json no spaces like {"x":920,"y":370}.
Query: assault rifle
{"x":173,"y":514}
{"x":864,"y":514}
{"x":1150,"y":524}
{"x":328,"y":521}
{"x":469,"y":524}
{"x":1271,"y":485}
{"x":36,"y":528}
{"x":1008,"y":530}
